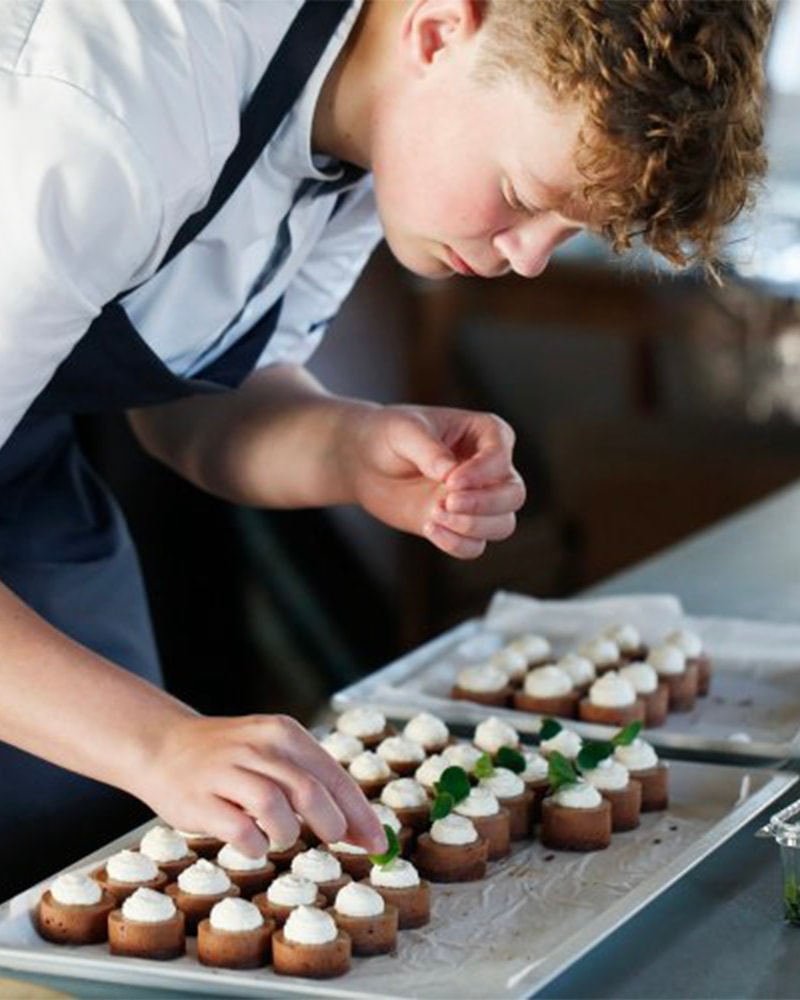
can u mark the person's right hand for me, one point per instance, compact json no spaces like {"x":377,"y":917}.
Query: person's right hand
{"x":234,"y":777}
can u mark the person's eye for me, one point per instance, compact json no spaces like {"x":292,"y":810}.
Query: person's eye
{"x":514,"y":203}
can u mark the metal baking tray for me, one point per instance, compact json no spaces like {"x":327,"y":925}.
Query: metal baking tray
{"x":751,"y":714}
{"x":507,"y":936}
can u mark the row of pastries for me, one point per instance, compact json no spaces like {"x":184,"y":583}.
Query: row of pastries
{"x":307,"y":908}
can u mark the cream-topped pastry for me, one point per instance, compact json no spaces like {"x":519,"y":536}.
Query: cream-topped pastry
{"x":504,"y":784}
{"x":602,"y":651}
{"x":641,"y":676}
{"x":613,"y":782}
{"x":612,"y":690}
{"x":308,"y":925}
{"x":147,"y":906}
{"x":401,"y":750}
{"x":404,"y":793}
{"x":291,"y":889}
{"x":387,"y":816}
{"x":364,"y":915}
{"x":480,"y":802}
{"x":398,"y":874}
{"x":131,"y":867}
{"x":430,"y":770}
{"x":579,"y":669}
{"x":547,"y":682}
{"x":535,"y":648}
{"x":362,"y":722}
{"x":73,"y":889}
{"x":235,"y":915}
{"x":343,"y":747}
{"x":690,"y":643}
{"x":576,"y":818}
{"x":453,"y":850}
{"x":463,"y":755}
{"x":204,"y":878}
{"x":580,"y":795}
{"x":479,"y":647}
{"x":536,"y":766}
{"x":369,"y":767}
{"x":612,"y":700}
{"x":400,"y":885}
{"x":357,"y":900}
{"x":428,"y":730}
{"x":626,"y":636}
{"x":608,"y":775}
{"x":482,"y":678}
{"x":680,"y":676}
{"x":493,"y":733}
{"x":453,"y":830}
{"x":491,"y":820}
{"x":667,"y":660}
{"x":566,"y":741}
{"x":512,"y":662}
{"x":317,"y":865}
{"x":148,"y":925}
{"x":233,"y":860}
{"x":637,"y":756}
{"x":163,"y":844}
{"x":74,"y":910}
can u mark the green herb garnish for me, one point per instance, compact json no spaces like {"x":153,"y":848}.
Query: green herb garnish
{"x":549,"y":729}
{"x":510,"y":758}
{"x":453,"y":787}
{"x":626,"y":736}
{"x":591,"y":754}
{"x":442,"y":805}
{"x":484,"y":768}
{"x":391,"y":851}
{"x":560,"y":771}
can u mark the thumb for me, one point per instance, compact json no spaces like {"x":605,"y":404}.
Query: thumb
{"x":414,"y":441}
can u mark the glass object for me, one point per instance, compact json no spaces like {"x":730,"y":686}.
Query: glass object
{"x":784,"y":827}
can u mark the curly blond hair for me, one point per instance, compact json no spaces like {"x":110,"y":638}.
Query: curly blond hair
{"x":672,"y":92}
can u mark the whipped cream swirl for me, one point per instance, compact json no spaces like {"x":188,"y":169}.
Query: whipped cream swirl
{"x":581,"y":795}
{"x":612,"y":690}
{"x":493,"y":733}
{"x":504,"y":784}
{"x":453,"y":830}
{"x":131,"y":866}
{"x":204,"y":878}
{"x":292,"y":890}
{"x":368,"y":766}
{"x":641,"y":676}
{"x":547,"y":682}
{"x":145,"y":906}
{"x":235,"y":861}
{"x":317,"y":865}
{"x":404,"y":793}
{"x":357,"y":900}
{"x":361,"y":721}
{"x":73,"y":889}
{"x":637,"y":756}
{"x":163,"y":844}
{"x":427,"y":730}
{"x":343,"y":747}
{"x":398,"y":874}
{"x":307,"y":925}
{"x":235,"y":915}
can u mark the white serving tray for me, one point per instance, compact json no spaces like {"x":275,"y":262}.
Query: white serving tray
{"x":752,"y":712}
{"x":507,"y":936}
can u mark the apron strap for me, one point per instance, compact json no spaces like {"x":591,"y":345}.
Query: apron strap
{"x":278,"y":89}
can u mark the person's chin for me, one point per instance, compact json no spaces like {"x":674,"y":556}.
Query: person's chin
{"x":419,"y":261}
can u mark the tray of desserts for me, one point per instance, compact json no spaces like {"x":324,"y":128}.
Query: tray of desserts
{"x":723,"y":689}
{"x":514,"y":864}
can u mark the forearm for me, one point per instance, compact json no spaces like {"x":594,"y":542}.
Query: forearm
{"x":68,"y":705}
{"x":275,"y":442}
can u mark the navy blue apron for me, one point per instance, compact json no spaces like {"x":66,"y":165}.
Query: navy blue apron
{"x":64,"y":545}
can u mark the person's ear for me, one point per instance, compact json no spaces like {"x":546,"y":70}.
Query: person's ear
{"x":431,"y":27}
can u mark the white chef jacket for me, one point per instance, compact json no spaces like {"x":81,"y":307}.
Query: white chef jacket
{"x":116,"y":118}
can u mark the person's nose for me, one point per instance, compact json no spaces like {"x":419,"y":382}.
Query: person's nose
{"x":528,"y":245}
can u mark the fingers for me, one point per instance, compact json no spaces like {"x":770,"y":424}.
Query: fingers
{"x":452,"y":543}
{"x":262,"y":800}
{"x":415,"y":442}
{"x":318,"y":787}
{"x":487,"y":529}
{"x":503,"y":498}
{"x":233,"y":826}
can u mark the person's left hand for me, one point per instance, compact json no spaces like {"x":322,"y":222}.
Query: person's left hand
{"x":445,"y":474}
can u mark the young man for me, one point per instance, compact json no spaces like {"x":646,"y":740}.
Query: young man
{"x":187,"y":195}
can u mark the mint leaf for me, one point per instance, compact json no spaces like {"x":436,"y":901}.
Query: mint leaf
{"x":391,"y":851}
{"x":484,"y":768}
{"x":549,"y":729}
{"x":442,"y":805}
{"x":592,"y":753}
{"x":454,"y":781}
{"x":627,"y":735}
{"x":510,"y":758}
{"x":560,"y":771}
